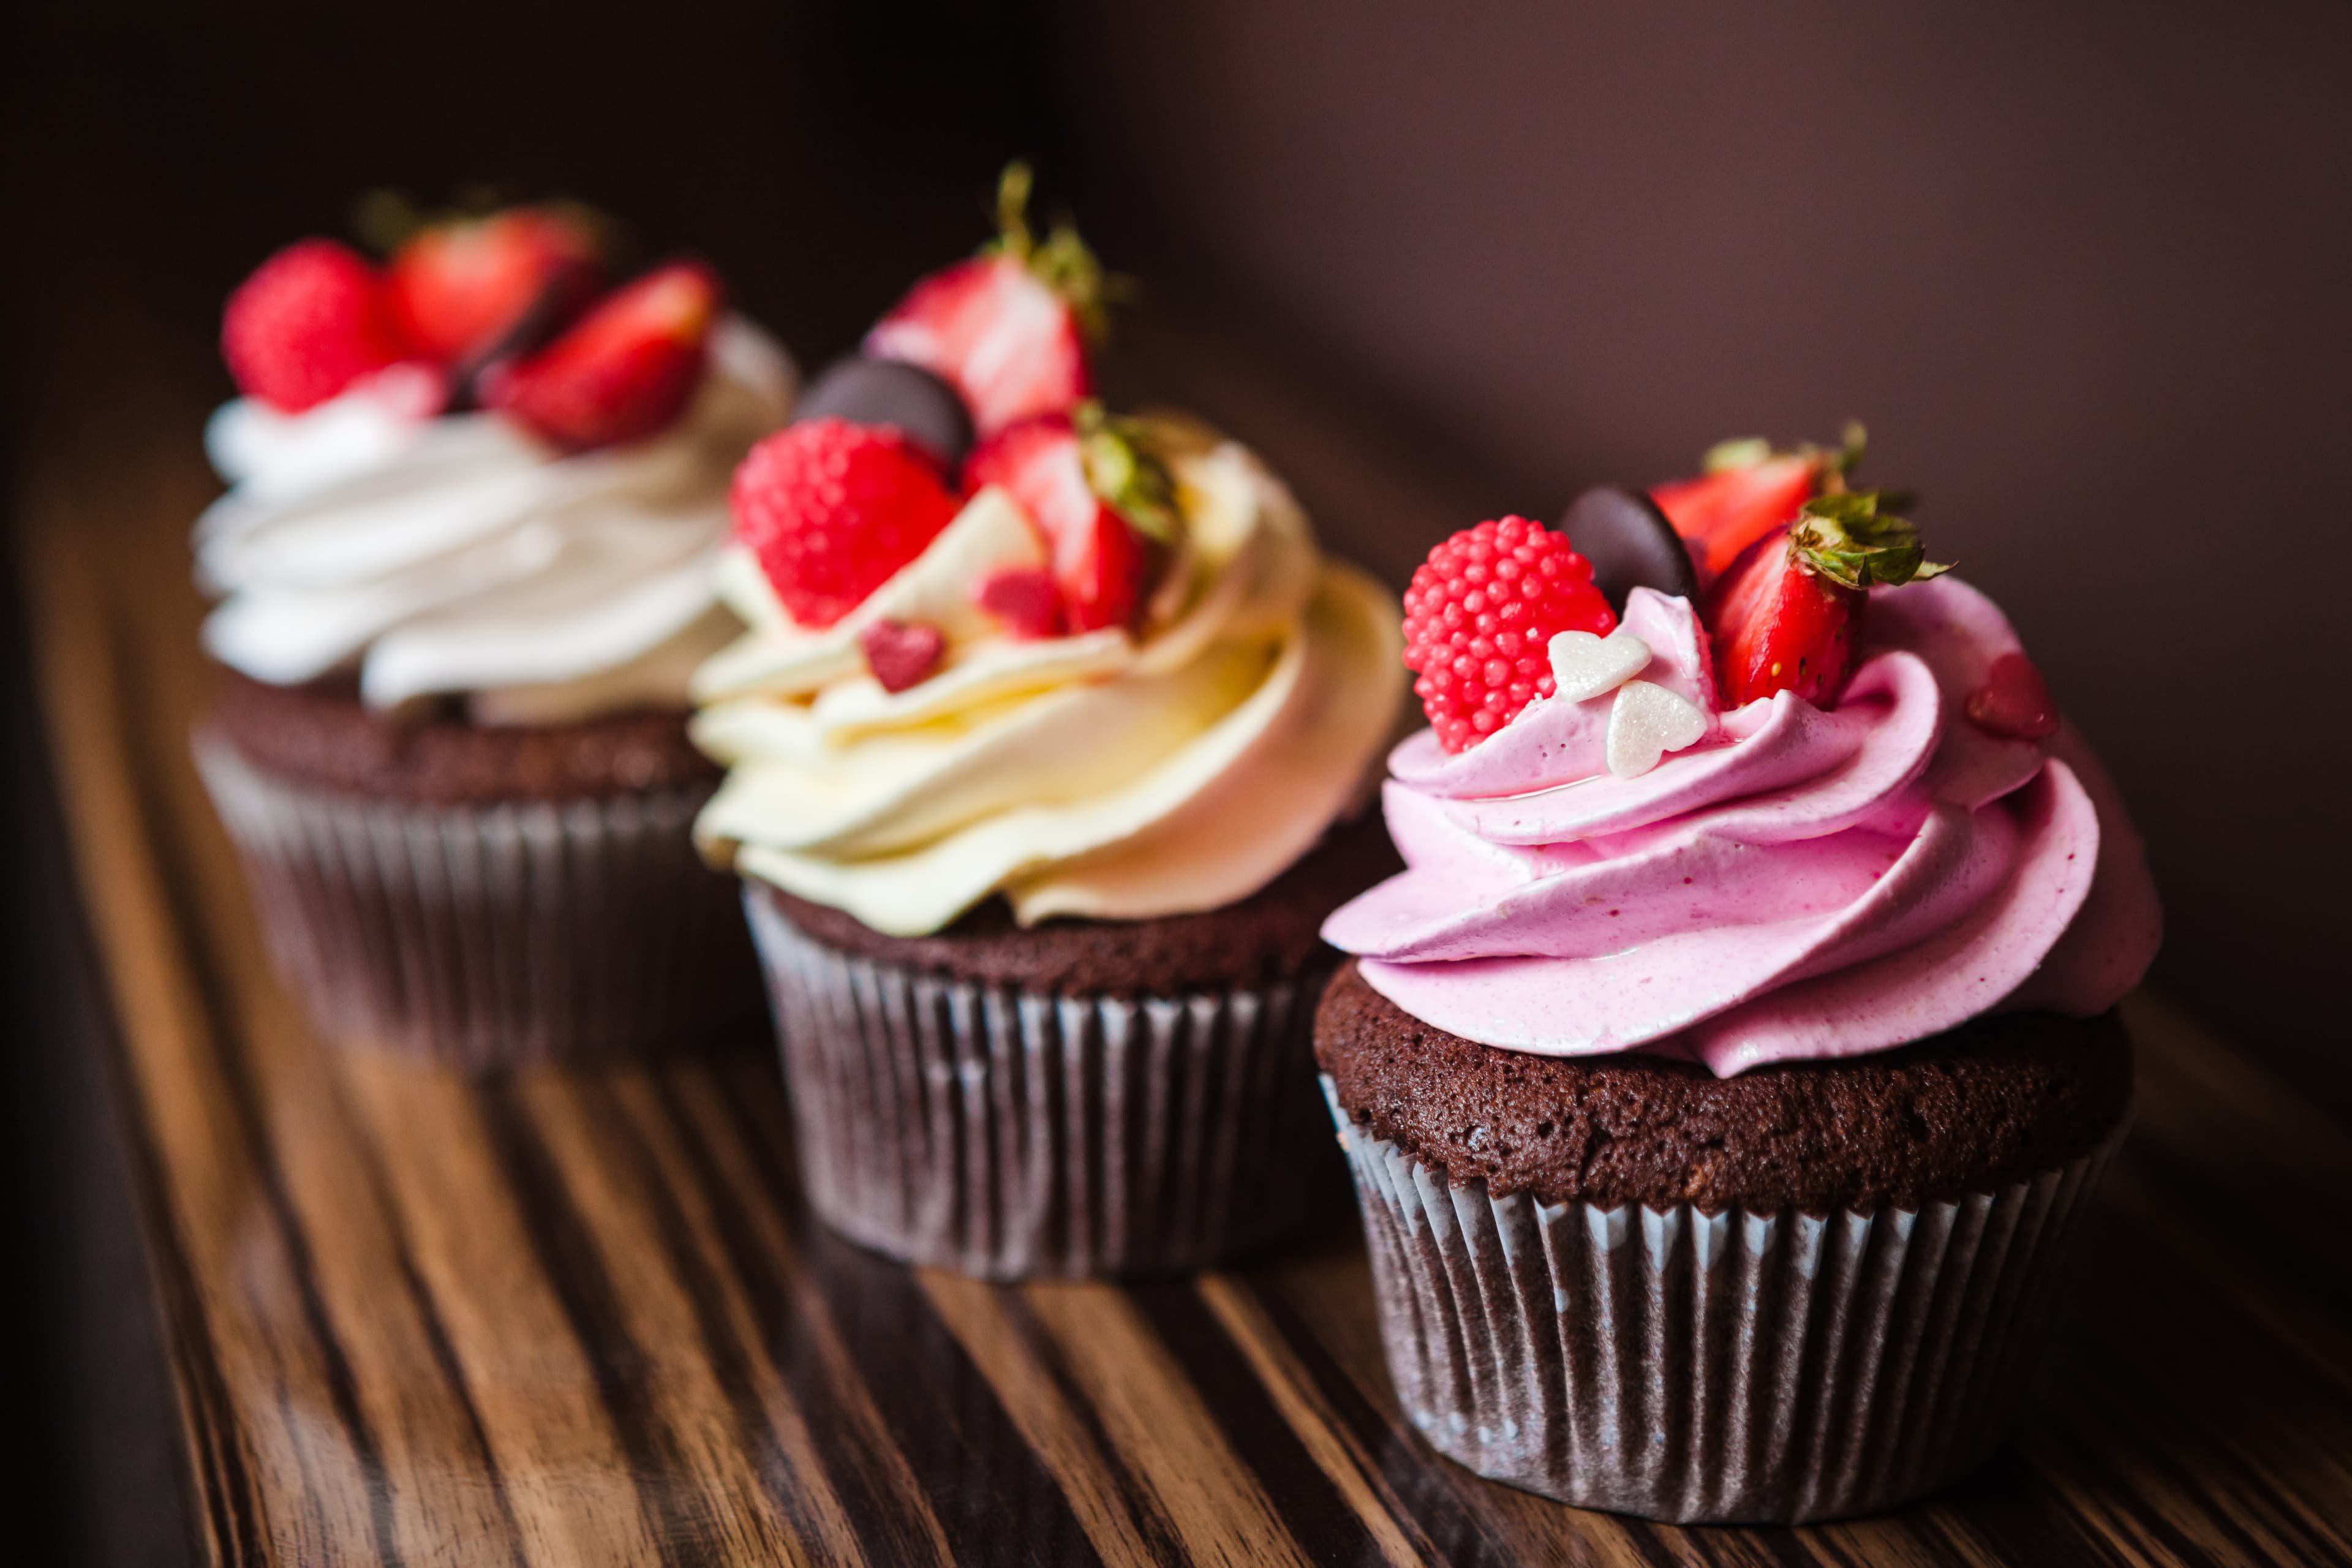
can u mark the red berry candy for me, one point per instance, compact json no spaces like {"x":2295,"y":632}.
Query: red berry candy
{"x":902,"y":653}
{"x":1479,"y":619}
{"x":311,"y":320}
{"x":2014,"y":701}
{"x":834,"y":510}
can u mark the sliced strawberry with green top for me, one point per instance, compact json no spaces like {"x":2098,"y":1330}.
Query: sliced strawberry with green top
{"x":467,"y":288}
{"x":1748,"y":491}
{"x":1786,"y":617}
{"x":621,"y":373}
{"x":1008,"y":328}
{"x":1099,"y":495}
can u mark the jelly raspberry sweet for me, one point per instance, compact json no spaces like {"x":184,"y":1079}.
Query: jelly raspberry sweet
{"x":466,"y":289}
{"x":311,"y":320}
{"x":1009,"y":328}
{"x":833,"y":510}
{"x":2014,"y":701}
{"x":623,"y":370}
{"x":1479,"y":619}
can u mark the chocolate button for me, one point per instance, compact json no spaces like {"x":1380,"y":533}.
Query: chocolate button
{"x":1630,"y":543}
{"x":891,"y":392}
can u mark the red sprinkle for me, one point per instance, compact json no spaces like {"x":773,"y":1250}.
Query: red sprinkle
{"x":1025,"y":598}
{"x":902,"y":653}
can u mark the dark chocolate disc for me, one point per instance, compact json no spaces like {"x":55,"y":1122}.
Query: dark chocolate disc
{"x":891,"y":392}
{"x":1630,"y":543}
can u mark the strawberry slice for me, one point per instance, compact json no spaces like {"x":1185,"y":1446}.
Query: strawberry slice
{"x":1009,"y":328}
{"x":467,"y":289}
{"x":1098,"y":496}
{"x":1788,"y":615}
{"x":1720,"y":514}
{"x":310,"y":322}
{"x":621,"y":373}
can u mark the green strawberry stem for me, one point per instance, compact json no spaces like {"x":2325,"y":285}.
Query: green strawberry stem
{"x":1854,"y":539}
{"x":1062,"y":261}
{"x":1126,"y":467}
{"x":1834,"y":464}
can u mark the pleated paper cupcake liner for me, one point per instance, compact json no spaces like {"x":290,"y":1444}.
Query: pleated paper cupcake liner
{"x":1009,"y":1133}
{"x":494,"y":935}
{"x":1697,"y":1367}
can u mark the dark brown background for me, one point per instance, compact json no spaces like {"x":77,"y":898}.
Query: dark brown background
{"x":2087,"y":272}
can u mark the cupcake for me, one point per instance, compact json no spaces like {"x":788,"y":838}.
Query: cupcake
{"x":1038,"y":757}
{"x":464,"y":571}
{"x":1724,"y":1077}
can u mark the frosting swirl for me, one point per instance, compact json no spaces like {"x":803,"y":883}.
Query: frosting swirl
{"x":1799,"y":884}
{"x":1106,"y":774}
{"x":458,"y":554}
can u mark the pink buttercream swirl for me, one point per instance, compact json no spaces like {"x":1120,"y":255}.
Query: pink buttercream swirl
{"x":1797,"y":885}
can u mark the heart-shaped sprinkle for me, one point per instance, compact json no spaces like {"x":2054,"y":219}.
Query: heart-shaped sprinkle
{"x":2014,"y":701}
{"x":1025,"y":598}
{"x":1584,"y":665}
{"x":1646,"y":722}
{"x":902,"y":653}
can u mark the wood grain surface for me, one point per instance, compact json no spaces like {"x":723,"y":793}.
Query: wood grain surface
{"x":573,"y":1318}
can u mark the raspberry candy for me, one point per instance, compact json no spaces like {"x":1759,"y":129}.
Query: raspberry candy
{"x":1479,"y":619}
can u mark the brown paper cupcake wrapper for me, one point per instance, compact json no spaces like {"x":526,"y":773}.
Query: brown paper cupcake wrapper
{"x":1008,"y":1133}
{"x":1697,"y":1367}
{"x":489,"y":936}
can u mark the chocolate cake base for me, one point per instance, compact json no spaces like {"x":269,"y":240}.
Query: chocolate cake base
{"x":483,"y":897}
{"x":1084,"y":1098}
{"x":1275,"y":934}
{"x":1994,"y":1101}
{"x":1628,"y":1285}
{"x":321,"y":737}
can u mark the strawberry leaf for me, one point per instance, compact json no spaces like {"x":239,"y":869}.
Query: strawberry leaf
{"x":1061,"y":260}
{"x":1854,"y":539}
{"x":1741,"y":452}
{"x":1127,"y":469}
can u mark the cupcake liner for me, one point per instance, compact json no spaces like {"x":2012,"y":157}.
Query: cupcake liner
{"x":493,"y":935}
{"x":1697,"y":1367}
{"x":1010,"y":1133}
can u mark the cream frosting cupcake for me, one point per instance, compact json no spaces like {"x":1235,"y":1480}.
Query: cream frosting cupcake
{"x":465,"y":568}
{"x":1040,"y":761}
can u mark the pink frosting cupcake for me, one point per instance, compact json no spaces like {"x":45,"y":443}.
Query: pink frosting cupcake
{"x":1723,"y":1071}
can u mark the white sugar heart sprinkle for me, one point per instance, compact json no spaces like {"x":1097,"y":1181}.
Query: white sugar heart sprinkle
{"x":1584,"y":665}
{"x":1646,"y":722}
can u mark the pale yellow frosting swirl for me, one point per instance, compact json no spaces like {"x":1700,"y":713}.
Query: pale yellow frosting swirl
{"x":1108,"y":775}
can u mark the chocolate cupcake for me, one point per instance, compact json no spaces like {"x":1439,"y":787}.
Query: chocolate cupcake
{"x":1722,"y":1079}
{"x":1029,"y":760}
{"x":465,"y":569}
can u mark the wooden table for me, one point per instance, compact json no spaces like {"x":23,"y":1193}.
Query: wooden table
{"x":578,"y":1318}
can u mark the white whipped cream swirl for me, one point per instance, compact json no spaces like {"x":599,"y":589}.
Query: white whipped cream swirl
{"x":1104,"y":775}
{"x":460,"y":554}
